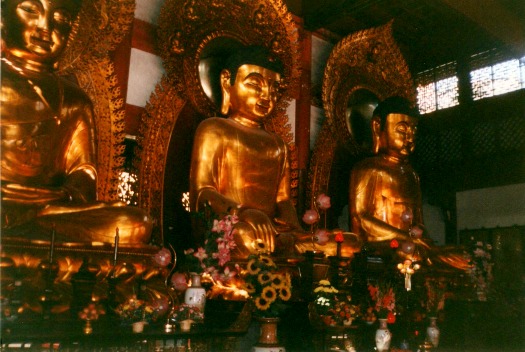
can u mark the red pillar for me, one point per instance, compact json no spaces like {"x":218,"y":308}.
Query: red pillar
{"x":302,"y":117}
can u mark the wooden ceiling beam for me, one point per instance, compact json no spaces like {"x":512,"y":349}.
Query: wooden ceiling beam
{"x":496,"y":20}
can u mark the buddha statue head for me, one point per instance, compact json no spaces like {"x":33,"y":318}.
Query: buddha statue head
{"x":37,"y":31}
{"x":250,"y":83}
{"x":394,"y":126}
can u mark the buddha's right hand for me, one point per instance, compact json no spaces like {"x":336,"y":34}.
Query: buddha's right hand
{"x":15,"y":193}
{"x":253,"y":226}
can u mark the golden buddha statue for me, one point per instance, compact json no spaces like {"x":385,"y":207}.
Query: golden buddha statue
{"x":237,"y":166}
{"x":385,"y":194}
{"x":49,"y":167}
{"x":240,"y":168}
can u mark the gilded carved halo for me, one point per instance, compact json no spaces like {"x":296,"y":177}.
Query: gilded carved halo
{"x":195,"y":34}
{"x":367,"y":60}
{"x":100,"y":26}
{"x":366,"y":63}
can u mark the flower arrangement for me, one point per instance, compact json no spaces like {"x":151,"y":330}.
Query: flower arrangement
{"x":218,"y":244}
{"x":341,"y":313}
{"x":186,"y":312}
{"x":383,"y":299}
{"x":332,"y":309}
{"x":135,"y":310}
{"x":325,"y":295}
{"x":91,"y":312}
{"x":481,"y":267}
{"x":436,"y":294}
{"x":267,"y":286}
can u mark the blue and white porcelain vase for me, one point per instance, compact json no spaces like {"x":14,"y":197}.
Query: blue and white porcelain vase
{"x":433,"y":332}
{"x":195,"y":295}
{"x":383,"y":336}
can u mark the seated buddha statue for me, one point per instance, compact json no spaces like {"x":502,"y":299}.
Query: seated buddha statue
{"x":238,"y":167}
{"x":49,"y":167}
{"x":385,"y":194}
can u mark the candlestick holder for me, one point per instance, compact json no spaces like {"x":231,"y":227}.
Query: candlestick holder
{"x":118,"y":274}
{"x":49,"y":271}
{"x":83,"y":282}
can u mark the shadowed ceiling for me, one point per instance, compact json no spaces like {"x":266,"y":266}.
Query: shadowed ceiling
{"x":429,"y":32}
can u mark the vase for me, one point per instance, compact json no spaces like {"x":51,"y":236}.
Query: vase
{"x":268,"y":341}
{"x":383,"y":336}
{"x":185,"y":325}
{"x":138,"y":326}
{"x":195,"y":294}
{"x":433,"y":332}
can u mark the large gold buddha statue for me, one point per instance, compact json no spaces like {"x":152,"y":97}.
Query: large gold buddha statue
{"x":49,"y":168}
{"x":237,"y":166}
{"x":385,"y":194}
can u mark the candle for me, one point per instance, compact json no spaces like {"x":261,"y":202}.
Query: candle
{"x":52,"y":245}
{"x":116,"y":248}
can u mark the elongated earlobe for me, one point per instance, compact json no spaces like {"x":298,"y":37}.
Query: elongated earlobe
{"x":376,"y":135}
{"x":225,"y":89}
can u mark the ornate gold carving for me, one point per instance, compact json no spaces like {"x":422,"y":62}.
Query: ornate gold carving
{"x":187,"y":29}
{"x":371,"y":60}
{"x":101,"y":26}
{"x":157,"y":125}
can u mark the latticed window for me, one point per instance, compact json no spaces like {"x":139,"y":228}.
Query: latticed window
{"x":493,"y":75}
{"x":437,"y":88}
{"x":127,"y":187}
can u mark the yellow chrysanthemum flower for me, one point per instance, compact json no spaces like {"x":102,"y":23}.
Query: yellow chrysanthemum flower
{"x":288,"y":279}
{"x":261,"y":303}
{"x":248,"y":287}
{"x":269,"y":294}
{"x":267,"y":261}
{"x":252,"y":267}
{"x":265,"y":278}
{"x":285,"y":293}
{"x":278,"y":281}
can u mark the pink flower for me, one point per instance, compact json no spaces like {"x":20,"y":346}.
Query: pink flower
{"x":162,"y":257}
{"x":323,"y":201}
{"x":223,"y":255}
{"x":310,"y":217}
{"x":201,"y":254}
{"x":228,"y":274}
{"x":321,"y":236}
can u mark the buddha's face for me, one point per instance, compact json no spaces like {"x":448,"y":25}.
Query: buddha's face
{"x":399,"y":134}
{"x":254,"y":93}
{"x":38,"y":30}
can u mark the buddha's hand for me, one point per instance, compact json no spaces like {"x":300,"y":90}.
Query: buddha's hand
{"x":254,"y":226}
{"x":15,"y":193}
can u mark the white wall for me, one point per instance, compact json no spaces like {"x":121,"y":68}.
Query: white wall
{"x":491,"y":207}
{"x":434,"y":223}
